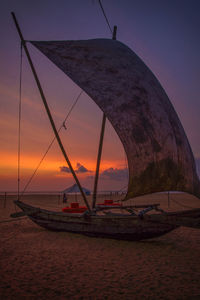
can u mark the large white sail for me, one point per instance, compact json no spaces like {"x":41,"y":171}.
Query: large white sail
{"x":159,"y":155}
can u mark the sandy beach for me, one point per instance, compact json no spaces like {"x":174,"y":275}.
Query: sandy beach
{"x":40,"y":264}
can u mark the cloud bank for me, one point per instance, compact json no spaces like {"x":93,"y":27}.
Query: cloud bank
{"x":114,"y":174}
{"x":65,"y":169}
{"x":79,"y":169}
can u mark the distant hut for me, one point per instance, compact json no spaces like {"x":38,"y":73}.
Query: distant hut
{"x":74,"y":189}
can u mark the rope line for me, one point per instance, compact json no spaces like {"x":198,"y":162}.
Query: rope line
{"x":19,"y":122}
{"x":105,"y":16}
{"x":62,"y":126}
{"x":72,"y":107}
{"x":43,"y":157}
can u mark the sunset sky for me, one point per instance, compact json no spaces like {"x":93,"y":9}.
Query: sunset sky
{"x":165,"y":34}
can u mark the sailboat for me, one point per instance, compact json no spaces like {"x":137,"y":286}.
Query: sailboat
{"x":158,"y":152}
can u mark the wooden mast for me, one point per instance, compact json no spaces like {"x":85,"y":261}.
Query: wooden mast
{"x":48,"y":111}
{"x":98,"y":160}
{"x":100,"y":145}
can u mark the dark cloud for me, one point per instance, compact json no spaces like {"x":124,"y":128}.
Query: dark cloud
{"x":65,"y":169}
{"x":114,"y":174}
{"x":79,"y":169}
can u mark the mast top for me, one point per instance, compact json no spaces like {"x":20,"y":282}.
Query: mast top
{"x":114,"y":33}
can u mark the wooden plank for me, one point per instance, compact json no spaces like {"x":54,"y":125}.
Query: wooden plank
{"x":102,"y":207}
{"x":174,"y":220}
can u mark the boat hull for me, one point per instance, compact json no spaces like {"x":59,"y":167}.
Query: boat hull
{"x":117,"y":227}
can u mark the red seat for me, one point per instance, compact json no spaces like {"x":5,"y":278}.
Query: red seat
{"x":74,"y":209}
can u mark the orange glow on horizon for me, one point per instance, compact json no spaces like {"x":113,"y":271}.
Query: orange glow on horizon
{"x":28,"y":164}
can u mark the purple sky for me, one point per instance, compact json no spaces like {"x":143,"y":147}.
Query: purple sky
{"x":165,"y":34}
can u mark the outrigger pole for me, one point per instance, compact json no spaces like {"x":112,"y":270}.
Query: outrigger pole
{"x":100,"y":144}
{"x":48,"y":111}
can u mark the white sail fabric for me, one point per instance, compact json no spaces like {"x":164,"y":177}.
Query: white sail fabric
{"x":159,"y":155}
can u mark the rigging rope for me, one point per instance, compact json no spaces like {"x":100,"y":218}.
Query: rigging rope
{"x":62,"y":126}
{"x":105,"y":16}
{"x":19,"y":122}
{"x":43,"y":157}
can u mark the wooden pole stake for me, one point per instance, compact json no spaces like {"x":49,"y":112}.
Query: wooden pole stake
{"x":100,"y":144}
